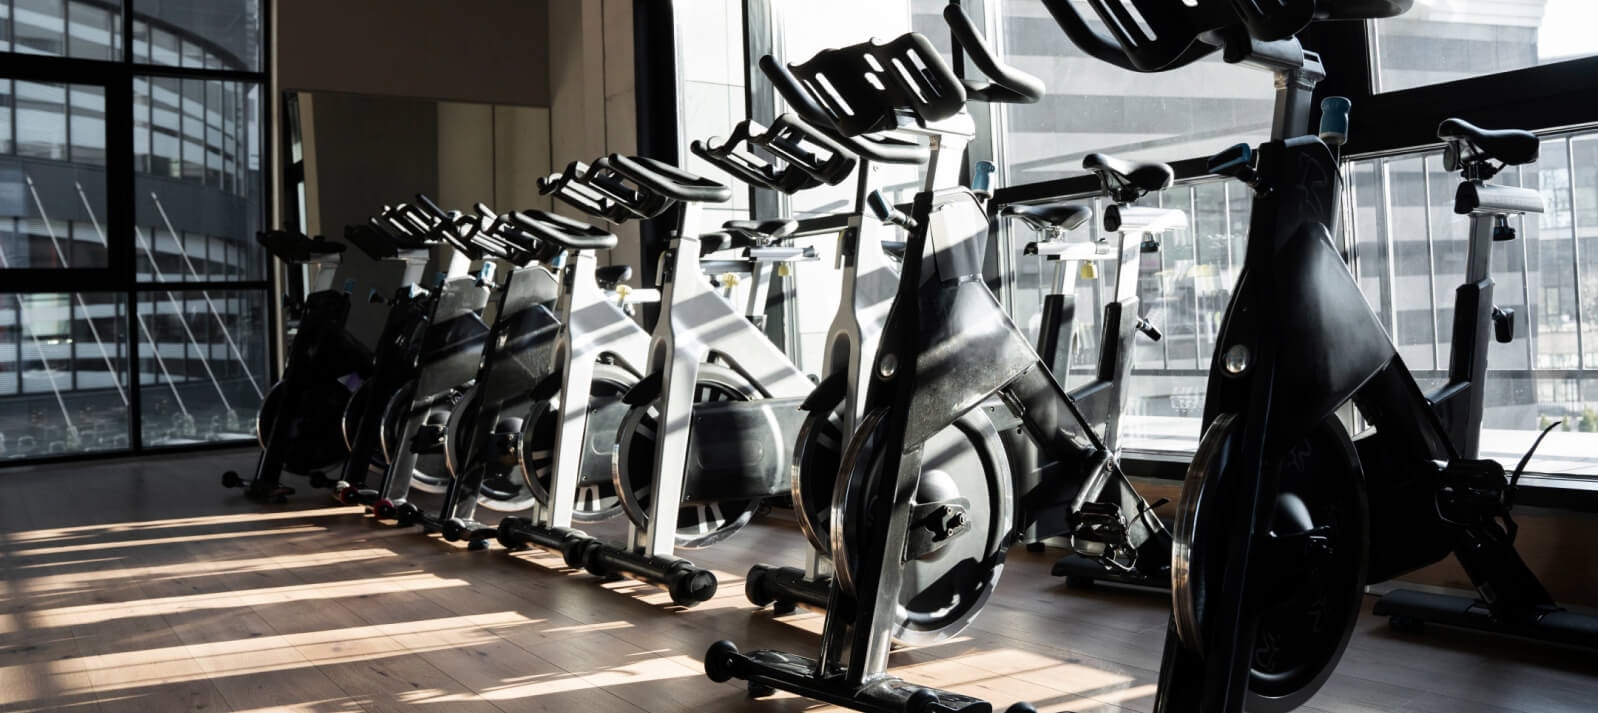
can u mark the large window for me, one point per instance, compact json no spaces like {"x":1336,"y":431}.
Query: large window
{"x":1092,"y":106}
{"x":1444,"y":41}
{"x":99,"y":351}
{"x":1404,"y":242}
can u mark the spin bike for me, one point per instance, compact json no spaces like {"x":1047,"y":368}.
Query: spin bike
{"x":470,"y":432}
{"x":486,"y":442}
{"x":1511,"y":599}
{"x":392,"y":235}
{"x":717,"y":486}
{"x":1284,"y":518}
{"x":905,"y":527}
{"x":299,"y":422}
{"x":811,"y":158}
{"x":566,"y":441}
{"x":415,"y":417}
{"x":1101,"y":400}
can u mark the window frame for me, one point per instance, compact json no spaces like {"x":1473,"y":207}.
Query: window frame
{"x":116,"y":78}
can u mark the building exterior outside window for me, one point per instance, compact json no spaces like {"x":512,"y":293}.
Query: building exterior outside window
{"x":154,"y":331}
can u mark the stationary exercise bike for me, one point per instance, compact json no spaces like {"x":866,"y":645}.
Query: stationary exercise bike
{"x":415,"y":417}
{"x":299,"y":424}
{"x":905,"y":527}
{"x":1284,"y":519}
{"x":396,"y":234}
{"x":1102,"y":399}
{"x":868,"y":280}
{"x":677,"y":490}
{"x":599,"y":353}
{"x":477,"y":435}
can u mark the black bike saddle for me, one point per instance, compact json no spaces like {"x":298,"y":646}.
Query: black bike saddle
{"x":296,"y":247}
{"x":1511,"y":146}
{"x":380,"y":244}
{"x":1143,"y":176}
{"x":609,"y":276}
{"x":1060,"y":214}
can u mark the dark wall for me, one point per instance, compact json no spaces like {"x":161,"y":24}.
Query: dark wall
{"x":491,"y":51}
{"x":369,"y":152}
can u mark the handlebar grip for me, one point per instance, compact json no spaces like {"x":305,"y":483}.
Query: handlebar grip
{"x":432,"y":207}
{"x":562,"y":231}
{"x":1005,"y":83}
{"x":794,"y":93}
{"x":556,"y":181}
{"x":668,"y":180}
{"x":885,"y":148}
{"x":1104,"y":48}
{"x":743,"y":165}
{"x":787,"y":138}
{"x":1087,"y":39}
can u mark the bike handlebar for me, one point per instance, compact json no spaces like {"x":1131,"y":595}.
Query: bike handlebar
{"x":1005,"y":84}
{"x":787,"y":138}
{"x":563,"y":231}
{"x":1172,"y":50}
{"x":669,"y":181}
{"x":811,"y":157}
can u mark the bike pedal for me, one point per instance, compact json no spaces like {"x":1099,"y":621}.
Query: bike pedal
{"x":1472,"y":492}
{"x":1100,"y":532}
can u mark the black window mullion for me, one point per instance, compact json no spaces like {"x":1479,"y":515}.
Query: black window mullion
{"x":127,"y":32}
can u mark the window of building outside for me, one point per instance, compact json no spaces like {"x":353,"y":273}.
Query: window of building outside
{"x":1445,"y":40}
{"x":185,"y":360}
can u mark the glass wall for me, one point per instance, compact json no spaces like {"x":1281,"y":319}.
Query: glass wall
{"x":63,"y":374}
{"x":1444,"y":41}
{"x":1404,"y":241}
{"x":80,"y":371}
{"x":1092,"y":106}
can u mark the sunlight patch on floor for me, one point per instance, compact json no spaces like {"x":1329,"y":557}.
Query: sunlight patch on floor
{"x":263,"y":654}
{"x":123,"y":544}
{"x":51,"y":584}
{"x":86,"y":614}
{"x":47,"y":534}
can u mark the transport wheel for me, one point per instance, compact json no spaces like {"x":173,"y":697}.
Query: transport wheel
{"x":1310,"y":560}
{"x":963,"y":468}
{"x":817,"y":452}
{"x":596,"y":491}
{"x":699,"y":524}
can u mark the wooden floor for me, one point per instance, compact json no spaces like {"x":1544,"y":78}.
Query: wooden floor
{"x":143,"y":586}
